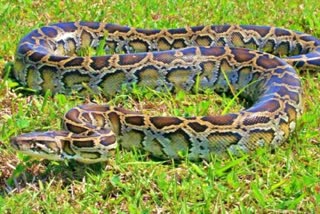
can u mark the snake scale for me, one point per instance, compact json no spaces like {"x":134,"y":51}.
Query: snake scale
{"x":247,"y":58}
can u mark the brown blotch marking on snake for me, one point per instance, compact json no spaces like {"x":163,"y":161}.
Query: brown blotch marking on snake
{"x":112,"y":28}
{"x":83,"y":144}
{"x":137,"y":120}
{"x":108,"y":140}
{"x":177,"y":31}
{"x":36,"y":56}
{"x":249,"y":121}
{"x":281,"y":32}
{"x":72,"y":114}
{"x":219,"y":142}
{"x":242,"y":55}
{"x":261,"y":30}
{"x":212,"y":51}
{"x":68,"y":26}
{"x":266,"y":62}
{"x":74,"y":62}
{"x":147,"y":32}
{"x":92,"y":25}
{"x":285,"y":79}
{"x":115,"y":122}
{"x":99,"y":62}
{"x":131,"y":59}
{"x":221,"y":119}
{"x":57,"y":59}
{"x":148,"y":76}
{"x":283,"y":92}
{"x":67,"y":148}
{"x":51,"y":32}
{"x":75,"y":129}
{"x":161,"y":122}
{"x":267,"y":106}
{"x":165,"y":57}
{"x":24,"y":48}
{"x":197,"y":126}
{"x":196,"y":29}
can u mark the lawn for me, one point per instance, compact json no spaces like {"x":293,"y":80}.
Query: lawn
{"x":284,"y":181}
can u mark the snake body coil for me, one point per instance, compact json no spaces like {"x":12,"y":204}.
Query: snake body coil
{"x":173,"y":60}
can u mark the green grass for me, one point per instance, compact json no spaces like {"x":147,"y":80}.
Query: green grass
{"x":284,"y":181}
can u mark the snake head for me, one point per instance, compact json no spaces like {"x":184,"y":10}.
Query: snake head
{"x":40,"y":144}
{"x":64,"y":145}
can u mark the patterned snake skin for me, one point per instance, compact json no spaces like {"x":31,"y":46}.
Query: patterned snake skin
{"x":218,"y":56}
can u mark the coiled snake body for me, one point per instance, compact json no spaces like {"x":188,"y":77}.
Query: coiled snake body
{"x":214,"y":56}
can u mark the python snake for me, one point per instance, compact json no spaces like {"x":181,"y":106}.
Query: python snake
{"x":247,"y":58}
